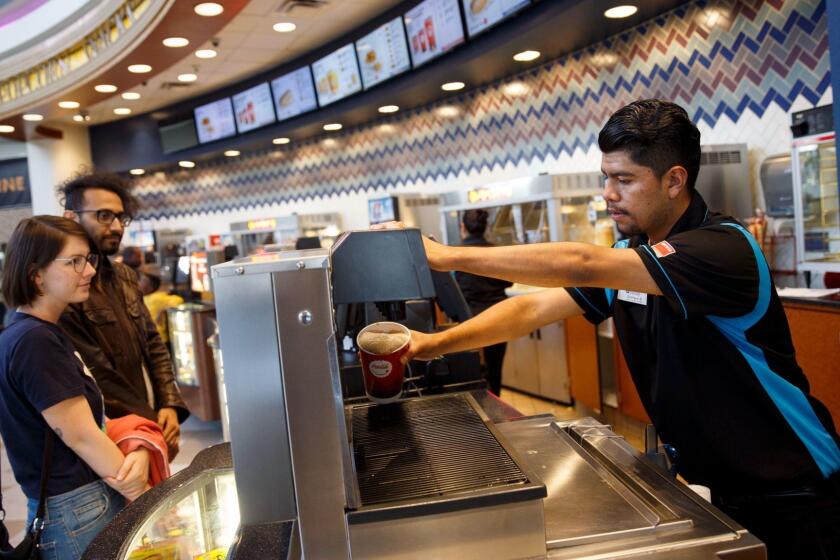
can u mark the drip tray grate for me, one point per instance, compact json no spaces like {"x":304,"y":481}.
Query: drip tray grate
{"x":427,"y":447}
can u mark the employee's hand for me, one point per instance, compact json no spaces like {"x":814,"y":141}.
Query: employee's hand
{"x":435,"y":252}
{"x":168,"y":422}
{"x":133,"y":477}
{"x":422,"y":346}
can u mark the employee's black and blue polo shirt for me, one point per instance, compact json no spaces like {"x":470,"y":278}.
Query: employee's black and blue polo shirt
{"x":713,"y":360}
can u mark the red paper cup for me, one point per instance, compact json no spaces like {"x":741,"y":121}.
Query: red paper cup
{"x":383,"y":373}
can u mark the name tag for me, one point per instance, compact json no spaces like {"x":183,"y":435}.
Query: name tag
{"x":632,"y":297}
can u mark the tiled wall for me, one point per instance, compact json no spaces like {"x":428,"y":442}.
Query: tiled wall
{"x":738,"y":66}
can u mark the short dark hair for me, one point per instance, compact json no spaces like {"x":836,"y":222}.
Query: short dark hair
{"x":34,"y":244}
{"x":73,"y":190}
{"x":475,"y":221}
{"x":656,"y":134}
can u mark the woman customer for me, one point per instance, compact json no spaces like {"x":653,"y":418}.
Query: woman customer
{"x":482,"y":292}
{"x":45,"y":389}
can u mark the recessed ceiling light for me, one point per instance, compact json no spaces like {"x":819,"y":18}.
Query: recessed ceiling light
{"x":187,"y":77}
{"x":6,"y":128}
{"x":139,"y":68}
{"x":33,"y":117}
{"x":281,"y":141}
{"x":448,"y":111}
{"x":231,"y":153}
{"x":68,"y":104}
{"x":389,"y":109}
{"x":122,"y":111}
{"x":452,"y":86}
{"x":284,"y":27}
{"x":526,"y":56}
{"x":78,"y":118}
{"x":516,"y":89}
{"x":208,"y":9}
{"x":619,"y":12}
{"x":131,"y":96}
{"x":205,"y":53}
{"x":137,"y":171}
{"x":186,"y":163}
{"x":333,"y":126}
{"x":176,"y":42}
{"x":105,"y":88}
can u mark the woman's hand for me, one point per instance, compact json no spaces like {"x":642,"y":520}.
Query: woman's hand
{"x":133,"y":477}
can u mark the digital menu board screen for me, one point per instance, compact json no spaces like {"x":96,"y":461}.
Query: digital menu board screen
{"x":253,"y":108}
{"x":294,"y":94}
{"x":383,"y":53}
{"x":337,"y":75}
{"x":482,"y":14}
{"x":382,"y":210}
{"x":214,"y":121}
{"x":433,"y":27}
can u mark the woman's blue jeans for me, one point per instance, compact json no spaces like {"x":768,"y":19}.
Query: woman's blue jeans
{"x":74,"y":518}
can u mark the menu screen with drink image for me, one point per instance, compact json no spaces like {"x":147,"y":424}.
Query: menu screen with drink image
{"x":383,"y":53}
{"x":214,"y":121}
{"x":433,"y":27}
{"x":337,"y":75}
{"x":482,"y":14}
{"x":294,"y":94}
{"x":253,"y":108}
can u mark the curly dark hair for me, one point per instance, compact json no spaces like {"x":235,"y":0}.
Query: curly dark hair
{"x":656,"y":134}
{"x":72,"y":191}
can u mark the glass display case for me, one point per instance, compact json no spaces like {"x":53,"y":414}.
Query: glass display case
{"x":816,"y":203}
{"x":190,"y":325}
{"x":197,"y":522}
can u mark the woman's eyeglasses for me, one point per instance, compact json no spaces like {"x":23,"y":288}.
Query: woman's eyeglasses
{"x":106,"y":217}
{"x":79,"y":261}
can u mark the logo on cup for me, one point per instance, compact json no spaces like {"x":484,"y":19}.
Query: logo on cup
{"x":380,"y":368}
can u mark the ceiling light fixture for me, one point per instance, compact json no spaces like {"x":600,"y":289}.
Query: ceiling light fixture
{"x":333,"y":126}
{"x":186,"y":163}
{"x":281,"y":141}
{"x":208,"y":9}
{"x":526,"y":56}
{"x":284,"y":27}
{"x":33,"y":117}
{"x":452,"y":86}
{"x":122,"y":111}
{"x":619,"y":12}
{"x":68,"y":104}
{"x":176,"y":42}
{"x":105,"y":88}
{"x":187,"y":77}
{"x":206,"y":53}
{"x":389,"y":109}
{"x":78,"y":118}
{"x":6,"y":129}
{"x":137,"y":171}
{"x":139,"y":68}
{"x":131,"y":96}
{"x":231,"y":153}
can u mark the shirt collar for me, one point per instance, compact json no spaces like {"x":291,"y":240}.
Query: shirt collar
{"x":694,"y":216}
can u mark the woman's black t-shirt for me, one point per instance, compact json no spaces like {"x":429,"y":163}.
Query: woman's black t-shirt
{"x":40,"y":368}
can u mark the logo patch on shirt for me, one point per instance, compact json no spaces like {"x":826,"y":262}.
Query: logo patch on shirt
{"x":663,"y":249}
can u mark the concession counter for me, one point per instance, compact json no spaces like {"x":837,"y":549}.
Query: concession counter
{"x":452,"y":475}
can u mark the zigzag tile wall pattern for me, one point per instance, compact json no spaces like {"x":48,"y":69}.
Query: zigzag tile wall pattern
{"x":719,"y":59}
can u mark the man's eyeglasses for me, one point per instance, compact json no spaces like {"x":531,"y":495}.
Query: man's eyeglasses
{"x":106,"y":217}
{"x":79,"y":261}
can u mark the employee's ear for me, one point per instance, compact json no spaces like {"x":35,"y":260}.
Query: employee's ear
{"x":677,"y":178}
{"x":70,"y":215}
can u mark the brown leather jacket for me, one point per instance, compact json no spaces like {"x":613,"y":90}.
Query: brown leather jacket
{"x":115,"y":335}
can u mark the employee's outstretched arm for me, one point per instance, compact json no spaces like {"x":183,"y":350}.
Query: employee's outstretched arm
{"x":504,"y":321}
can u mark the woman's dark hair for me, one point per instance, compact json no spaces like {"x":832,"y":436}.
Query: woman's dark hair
{"x":655,"y":134}
{"x":34,"y":244}
{"x":73,"y":190}
{"x":475,"y":222}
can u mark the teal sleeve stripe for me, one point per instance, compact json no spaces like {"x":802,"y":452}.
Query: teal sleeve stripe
{"x":789,"y":399}
{"x":589,"y":303}
{"x":668,"y":278}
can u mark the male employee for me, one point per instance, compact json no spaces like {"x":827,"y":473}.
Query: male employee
{"x":701,"y":327}
{"x":113,"y":330}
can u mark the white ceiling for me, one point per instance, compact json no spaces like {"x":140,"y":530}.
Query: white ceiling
{"x":248,"y":45}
